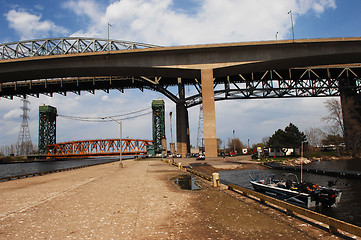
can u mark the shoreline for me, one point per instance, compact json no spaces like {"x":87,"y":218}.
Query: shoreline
{"x":130,"y":197}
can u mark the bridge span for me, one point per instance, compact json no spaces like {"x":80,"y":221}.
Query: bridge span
{"x":95,"y":148}
{"x":266,"y":69}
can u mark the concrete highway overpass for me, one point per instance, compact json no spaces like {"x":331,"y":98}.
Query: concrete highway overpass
{"x":314,"y":67}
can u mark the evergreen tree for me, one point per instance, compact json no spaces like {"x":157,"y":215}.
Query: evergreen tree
{"x":291,"y":137}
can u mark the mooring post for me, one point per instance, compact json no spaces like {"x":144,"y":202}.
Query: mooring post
{"x":215,"y":177}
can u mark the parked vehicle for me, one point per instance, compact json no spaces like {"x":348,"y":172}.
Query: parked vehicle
{"x":201,"y":157}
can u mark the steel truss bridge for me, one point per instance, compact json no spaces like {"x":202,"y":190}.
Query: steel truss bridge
{"x":63,"y":46}
{"x":315,"y":81}
{"x":94,"y":148}
{"x":293,"y":82}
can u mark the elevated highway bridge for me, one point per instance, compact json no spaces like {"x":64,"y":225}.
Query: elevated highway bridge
{"x":268,"y":69}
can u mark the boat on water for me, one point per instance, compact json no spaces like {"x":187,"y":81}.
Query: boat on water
{"x":305,"y":194}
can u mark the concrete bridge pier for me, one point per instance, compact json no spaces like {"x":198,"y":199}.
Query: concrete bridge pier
{"x":209,"y":113}
{"x":351,"y":111}
{"x":183,"y":142}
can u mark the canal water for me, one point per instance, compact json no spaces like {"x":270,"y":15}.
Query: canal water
{"x":15,"y":169}
{"x":348,"y":210}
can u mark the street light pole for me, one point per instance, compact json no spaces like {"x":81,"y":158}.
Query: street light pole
{"x":108,"y":38}
{"x":234,"y":144}
{"x":171,"y":134}
{"x":302,"y":160}
{"x":120,"y":139}
{"x":293,"y":32}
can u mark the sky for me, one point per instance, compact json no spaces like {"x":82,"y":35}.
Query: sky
{"x":171,"y":23}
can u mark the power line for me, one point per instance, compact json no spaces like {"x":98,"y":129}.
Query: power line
{"x":120,"y":117}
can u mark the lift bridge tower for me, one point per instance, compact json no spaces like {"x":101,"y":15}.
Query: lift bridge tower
{"x":160,"y":144}
{"x":47,"y":127}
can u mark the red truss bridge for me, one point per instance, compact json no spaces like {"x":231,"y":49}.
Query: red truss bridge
{"x":102,"y":147}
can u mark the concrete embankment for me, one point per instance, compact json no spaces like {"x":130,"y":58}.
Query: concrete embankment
{"x":138,"y":201}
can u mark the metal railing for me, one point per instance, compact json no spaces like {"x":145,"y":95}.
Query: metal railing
{"x":61,"y":46}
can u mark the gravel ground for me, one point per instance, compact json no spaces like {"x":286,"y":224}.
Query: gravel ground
{"x":135,"y":202}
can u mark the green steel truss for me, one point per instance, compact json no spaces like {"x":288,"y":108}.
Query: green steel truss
{"x":158,"y":124}
{"x":47,"y":127}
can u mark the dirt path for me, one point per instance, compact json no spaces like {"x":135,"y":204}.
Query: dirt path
{"x":135,"y":202}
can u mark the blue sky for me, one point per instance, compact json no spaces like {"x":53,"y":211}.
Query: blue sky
{"x":169,"y":23}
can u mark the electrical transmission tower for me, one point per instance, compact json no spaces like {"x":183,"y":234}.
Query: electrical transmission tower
{"x":200,"y":134}
{"x":24,"y":143}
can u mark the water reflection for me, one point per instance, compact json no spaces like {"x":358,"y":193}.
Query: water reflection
{"x":351,"y":164}
{"x":186,"y":182}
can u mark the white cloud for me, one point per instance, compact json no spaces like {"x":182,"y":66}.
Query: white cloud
{"x":156,"y":22}
{"x":318,"y":6}
{"x":88,"y":8}
{"x":30,"y":26}
{"x":13,"y":113}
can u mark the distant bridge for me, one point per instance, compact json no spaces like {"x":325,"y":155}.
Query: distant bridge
{"x":94,"y":148}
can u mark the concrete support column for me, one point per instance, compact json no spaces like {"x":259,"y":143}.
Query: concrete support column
{"x":183,"y":142}
{"x":209,"y":113}
{"x":351,"y":111}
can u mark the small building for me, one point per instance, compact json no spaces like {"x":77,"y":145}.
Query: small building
{"x":280,"y":152}
{"x":195,"y":151}
{"x":150,"y":150}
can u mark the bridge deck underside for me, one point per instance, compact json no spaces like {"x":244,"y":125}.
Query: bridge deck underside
{"x":281,"y":83}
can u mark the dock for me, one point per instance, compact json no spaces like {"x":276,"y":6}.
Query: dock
{"x":328,"y":172}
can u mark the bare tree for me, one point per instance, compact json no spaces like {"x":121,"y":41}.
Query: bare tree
{"x":235,"y":145}
{"x":265,"y":140}
{"x":315,"y":136}
{"x":219,"y":143}
{"x":334,"y":117}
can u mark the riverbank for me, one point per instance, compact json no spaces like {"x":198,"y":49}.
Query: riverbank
{"x":8,"y":160}
{"x":137,"y":202}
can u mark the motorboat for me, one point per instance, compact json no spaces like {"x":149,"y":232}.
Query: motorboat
{"x":306,"y":194}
